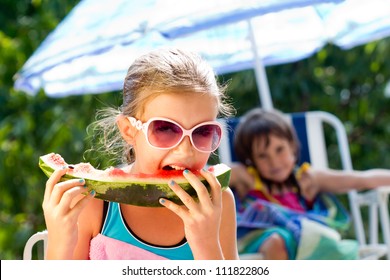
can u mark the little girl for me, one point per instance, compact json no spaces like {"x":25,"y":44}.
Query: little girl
{"x":267,"y":178}
{"x":176,"y":97}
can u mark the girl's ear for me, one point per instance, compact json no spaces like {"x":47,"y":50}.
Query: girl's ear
{"x":128,"y":132}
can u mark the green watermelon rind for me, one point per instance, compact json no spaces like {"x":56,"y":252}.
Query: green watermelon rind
{"x":137,"y":193}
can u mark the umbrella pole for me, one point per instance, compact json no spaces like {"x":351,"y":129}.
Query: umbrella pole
{"x":260,"y":73}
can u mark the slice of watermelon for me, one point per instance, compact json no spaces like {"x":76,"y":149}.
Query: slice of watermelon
{"x":114,"y":184}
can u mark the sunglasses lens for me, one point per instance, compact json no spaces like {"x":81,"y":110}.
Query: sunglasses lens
{"x":207,"y":137}
{"x":164,"y":134}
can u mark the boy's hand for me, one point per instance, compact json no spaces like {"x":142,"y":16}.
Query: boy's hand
{"x":240,"y":180}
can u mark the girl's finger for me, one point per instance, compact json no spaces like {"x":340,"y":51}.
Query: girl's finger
{"x":178,"y":210}
{"x":201,"y":190}
{"x":67,"y":201}
{"x":79,"y":206}
{"x":60,"y":189}
{"x":52,"y":181}
{"x":187,"y":200}
{"x":216,"y":191}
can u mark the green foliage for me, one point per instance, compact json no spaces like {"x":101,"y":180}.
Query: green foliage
{"x":32,"y":126}
{"x":349,"y":84}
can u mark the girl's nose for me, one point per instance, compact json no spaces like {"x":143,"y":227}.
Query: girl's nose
{"x":185,"y":147}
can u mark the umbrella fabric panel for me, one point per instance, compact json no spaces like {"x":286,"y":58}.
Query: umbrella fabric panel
{"x":90,"y":51}
{"x":85,"y":43}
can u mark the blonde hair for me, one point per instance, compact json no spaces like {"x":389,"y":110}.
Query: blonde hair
{"x":165,"y":70}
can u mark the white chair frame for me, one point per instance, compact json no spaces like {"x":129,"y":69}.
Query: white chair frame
{"x":37,"y":237}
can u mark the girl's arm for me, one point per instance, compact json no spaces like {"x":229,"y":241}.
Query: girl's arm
{"x":228,"y":229}
{"x":89,"y":223}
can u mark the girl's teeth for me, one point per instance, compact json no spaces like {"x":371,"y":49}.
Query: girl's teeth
{"x":177,"y":167}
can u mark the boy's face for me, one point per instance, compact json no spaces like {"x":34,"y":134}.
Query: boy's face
{"x":187,"y":110}
{"x":274,"y":161}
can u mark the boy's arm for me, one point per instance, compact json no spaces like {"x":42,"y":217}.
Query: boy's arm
{"x":339,"y":181}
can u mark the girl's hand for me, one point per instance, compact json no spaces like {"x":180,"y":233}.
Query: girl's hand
{"x":201,"y":218}
{"x":62,"y":205}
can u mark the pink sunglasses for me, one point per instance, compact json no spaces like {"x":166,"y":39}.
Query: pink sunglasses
{"x":163,"y":133}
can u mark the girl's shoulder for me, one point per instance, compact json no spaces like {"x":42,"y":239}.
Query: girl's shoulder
{"x":228,"y":196}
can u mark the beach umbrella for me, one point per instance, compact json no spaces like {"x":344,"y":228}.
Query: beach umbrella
{"x":91,"y":49}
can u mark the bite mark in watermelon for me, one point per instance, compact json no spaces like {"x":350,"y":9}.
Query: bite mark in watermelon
{"x":115,"y":184}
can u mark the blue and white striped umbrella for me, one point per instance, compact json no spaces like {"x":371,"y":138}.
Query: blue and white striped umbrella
{"x":92,"y":48}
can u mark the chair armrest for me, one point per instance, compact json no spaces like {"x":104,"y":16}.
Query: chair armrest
{"x":371,"y":196}
{"x":38,"y":236}
{"x":383,"y":189}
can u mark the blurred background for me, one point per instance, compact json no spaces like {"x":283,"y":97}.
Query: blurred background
{"x":354,"y":85}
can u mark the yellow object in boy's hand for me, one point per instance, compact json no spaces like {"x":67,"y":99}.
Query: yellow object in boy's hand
{"x":304,"y":168}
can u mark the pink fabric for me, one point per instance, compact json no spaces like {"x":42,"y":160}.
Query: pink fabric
{"x":290,"y":200}
{"x":107,"y":248}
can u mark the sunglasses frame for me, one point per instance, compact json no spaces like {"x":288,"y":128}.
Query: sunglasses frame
{"x":139,"y":125}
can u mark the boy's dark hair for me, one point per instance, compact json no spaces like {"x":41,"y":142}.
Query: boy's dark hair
{"x":258,"y":123}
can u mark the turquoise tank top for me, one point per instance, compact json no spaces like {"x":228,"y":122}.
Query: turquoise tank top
{"x":115,"y":227}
